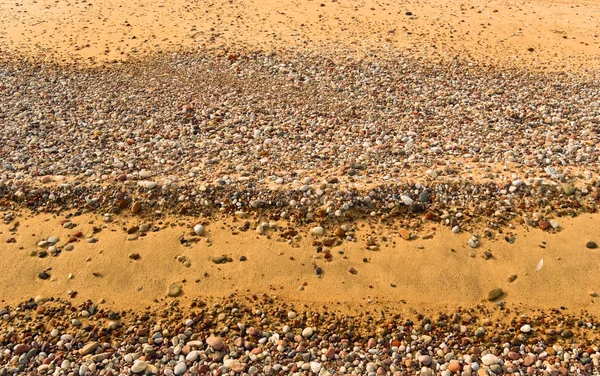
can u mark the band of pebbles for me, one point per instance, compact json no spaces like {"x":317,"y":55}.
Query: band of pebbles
{"x":301,"y":136}
{"x":266,"y":336}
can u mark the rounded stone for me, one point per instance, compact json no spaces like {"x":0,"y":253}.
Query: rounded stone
{"x":180,"y":368}
{"x":315,"y":367}
{"x":199,"y":230}
{"x":495,"y":294}
{"x":174,"y":291}
{"x":317,"y":231}
{"x":424,"y":359}
{"x":138,"y":367}
{"x":489,"y":359}
{"x":307,"y":332}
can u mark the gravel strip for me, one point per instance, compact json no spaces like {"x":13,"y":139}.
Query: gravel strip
{"x":299,"y":136}
{"x":267,"y":336}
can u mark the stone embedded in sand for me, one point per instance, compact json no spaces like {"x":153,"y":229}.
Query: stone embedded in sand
{"x":591,"y":245}
{"x":404,"y":233}
{"x":46,"y":179}
{"x":569,"y":189}
{"x":134,"y":256}
{"x":174,"y":291}
{"x":321,"y":212}
{"x":494,"y":294}
{"x":215,"y":342}
{"x":406,"y":200}
{"x":241,"y":214}
{"x":199,"y":230}
{"x":512,"y":278}
{"x":543,"y":225}
{"x":317,"y":231}
{"x":44,"y":275}
{"x":219,"y":259}
{"x":136,"y":206}
{"x":89,"y":348}
{"x":339,"y":232}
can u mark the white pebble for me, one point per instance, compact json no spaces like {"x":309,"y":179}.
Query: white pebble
{"x":526,"y":328}
{"x":199,"y":230}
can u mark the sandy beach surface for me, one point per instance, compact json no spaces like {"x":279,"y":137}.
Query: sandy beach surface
{"x":554,"y":35}
{"x":440,"y":272}
{"x":299,"y":187}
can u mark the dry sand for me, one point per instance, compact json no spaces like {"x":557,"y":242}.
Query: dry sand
{"x":560,"y":34}
{"x":426,"y":274}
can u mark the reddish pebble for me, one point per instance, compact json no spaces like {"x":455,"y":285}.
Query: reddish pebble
{"x":203,"y":369}
{"x":454,"y":366}
{"x":330,"y":353}
{"x":529,"y":360}
{"x":372,"y":343}
{"x":21,"y":349}
{"x":46,"y":179}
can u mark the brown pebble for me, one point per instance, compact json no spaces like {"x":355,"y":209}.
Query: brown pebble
{"x":339,"y":232}
{"x":135,"y":207}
